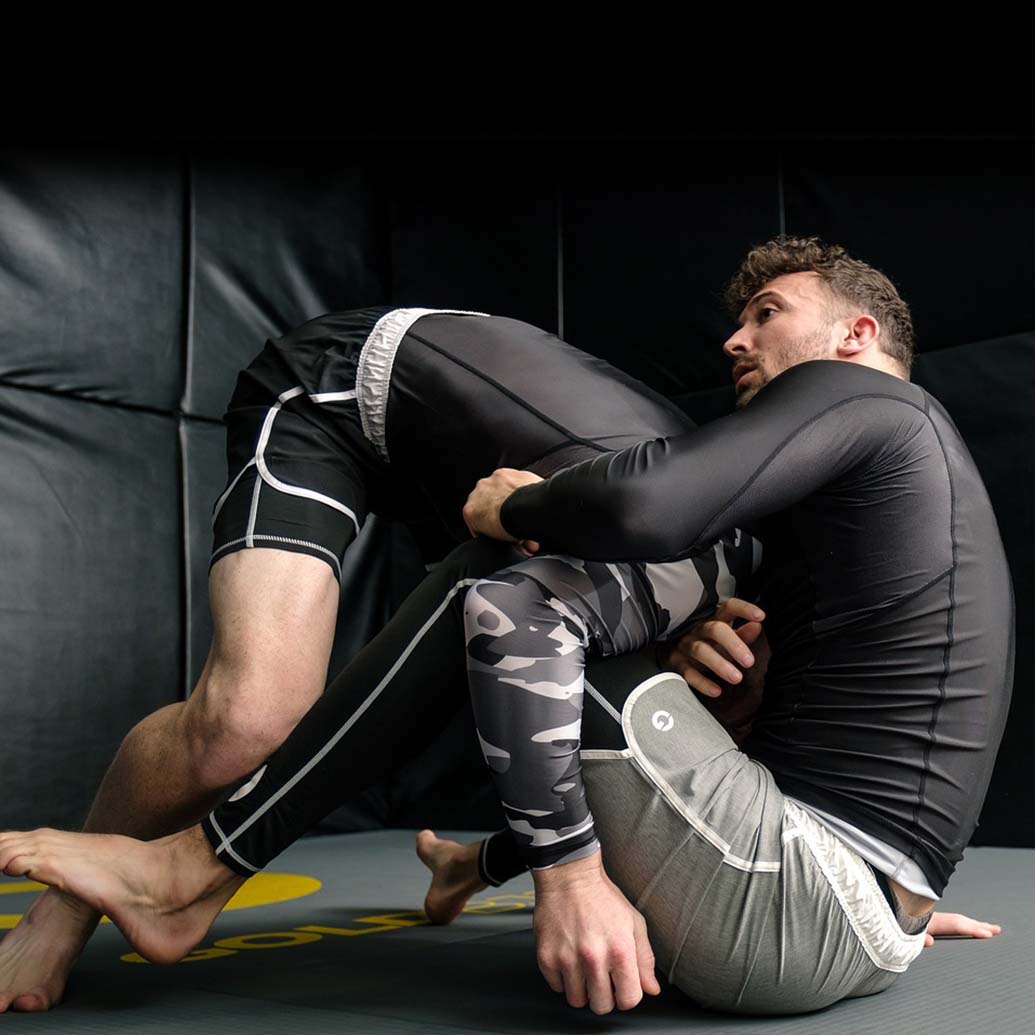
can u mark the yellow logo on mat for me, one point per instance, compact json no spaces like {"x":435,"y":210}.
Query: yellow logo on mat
{"x":262,"y":890}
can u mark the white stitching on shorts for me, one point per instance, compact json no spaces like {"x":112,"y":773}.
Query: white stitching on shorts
{"x":281,"y":539}
{"x":856,"y":890}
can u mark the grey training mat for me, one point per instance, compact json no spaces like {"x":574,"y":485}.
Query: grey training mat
{"x":355,"y":955}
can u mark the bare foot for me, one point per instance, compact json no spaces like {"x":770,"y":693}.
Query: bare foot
{"x":37,"y":956}
{"x":163,"y":895}
{"x":454,"y":875}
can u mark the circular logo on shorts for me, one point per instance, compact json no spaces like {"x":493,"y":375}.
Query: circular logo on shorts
{"x":662,"y":721}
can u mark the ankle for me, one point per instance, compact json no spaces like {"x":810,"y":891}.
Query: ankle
{"x":466,"y":863}
{"x":191,"y":852}
{"x":71,"y":912}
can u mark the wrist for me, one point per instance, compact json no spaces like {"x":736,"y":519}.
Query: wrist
{"x":586,"y":872}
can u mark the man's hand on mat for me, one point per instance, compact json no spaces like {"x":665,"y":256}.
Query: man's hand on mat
{"x":712,"y":647}
{"x":482,"y":509}
{"x":591,"y":942}
{"x":959,"y":925}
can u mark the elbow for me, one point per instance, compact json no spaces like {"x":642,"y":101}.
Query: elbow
{"x":640,"y":532}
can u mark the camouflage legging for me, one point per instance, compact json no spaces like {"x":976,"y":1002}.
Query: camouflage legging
{"x":529,"y":629}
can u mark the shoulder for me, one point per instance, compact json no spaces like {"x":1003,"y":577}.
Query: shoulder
{"x":832,"y":381}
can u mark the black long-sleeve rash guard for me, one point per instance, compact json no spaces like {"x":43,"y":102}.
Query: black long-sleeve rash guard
{"x":889,"y":602}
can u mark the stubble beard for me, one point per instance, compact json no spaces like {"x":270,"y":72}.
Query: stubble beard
{"x":790,"y":354}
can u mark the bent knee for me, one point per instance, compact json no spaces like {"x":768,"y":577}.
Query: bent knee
{"x":512,"y":599}
{"x":231,"y":736}
{"x":476,"y":558}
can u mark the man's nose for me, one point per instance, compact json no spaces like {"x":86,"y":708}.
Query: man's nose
{"x":736,"y":344}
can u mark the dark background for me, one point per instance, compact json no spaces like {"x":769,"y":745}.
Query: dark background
{"x":137,"y":278}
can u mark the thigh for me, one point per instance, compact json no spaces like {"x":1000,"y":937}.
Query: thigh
{"x":274,"y":615}
{"x":688,"y":824}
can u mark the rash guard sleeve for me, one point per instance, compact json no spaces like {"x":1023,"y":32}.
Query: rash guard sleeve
{"x":664,"y":498}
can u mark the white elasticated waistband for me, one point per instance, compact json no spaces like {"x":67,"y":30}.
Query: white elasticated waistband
{"x":852,"y":881}
{"x":374,"y":370}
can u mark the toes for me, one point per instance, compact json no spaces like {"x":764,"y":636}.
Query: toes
{"x":32,"y":1002}
{"x":16,"y":863}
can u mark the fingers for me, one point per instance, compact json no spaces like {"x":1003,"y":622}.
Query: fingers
{"x":598,"y":982}
{"x":710,"y":658}
{"x":696,"y":679}
{"x":749,"y":632}
{"x":729,"y":640}
{"x":734,"y":607}
{"x":604,"y":978}
{"x":607,"y":978}
{"x":645,"y":959}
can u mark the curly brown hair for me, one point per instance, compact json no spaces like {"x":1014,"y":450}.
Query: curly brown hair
{"x":851,"y":286}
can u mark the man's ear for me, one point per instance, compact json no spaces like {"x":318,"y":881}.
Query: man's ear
{"x":860,"y":335}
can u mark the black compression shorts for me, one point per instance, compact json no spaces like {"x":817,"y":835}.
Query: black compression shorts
{"x":302,"y":473}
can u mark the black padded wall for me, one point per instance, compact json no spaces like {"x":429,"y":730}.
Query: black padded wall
{"x":138,"y":279}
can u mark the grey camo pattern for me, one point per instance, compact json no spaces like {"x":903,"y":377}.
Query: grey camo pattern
{"x":529,"y":628}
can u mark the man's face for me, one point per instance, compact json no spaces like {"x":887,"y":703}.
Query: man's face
{"x":784,"y":323}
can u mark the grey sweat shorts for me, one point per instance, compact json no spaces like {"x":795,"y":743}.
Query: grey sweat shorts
{"x":751,"y":905}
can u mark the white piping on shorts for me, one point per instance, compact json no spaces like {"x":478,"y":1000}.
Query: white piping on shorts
{"x":228,"y":839}
{"x":374,"y":369}
{"x":643,"y":764}
{"x":330,"y":397}
{"x":276,"y":483}
{"x":229,"y":489}
{"x":858,"y":894}
{"x":260,"y":461}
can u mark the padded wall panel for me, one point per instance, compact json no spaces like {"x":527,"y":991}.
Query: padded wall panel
{"x":986,"y":387}
{"x":90,"y":600}
{"x":648,"y":248}
{"x":945,"y":221}
{"x":203,"y":446}
{"x":475,"y":227}
{"x":282,"y":232}
{"x":91,"y":272}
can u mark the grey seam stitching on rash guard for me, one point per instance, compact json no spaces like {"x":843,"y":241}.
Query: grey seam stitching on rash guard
{"x":765,"y":463}
{"x":822,"y":624}
{"x":948,"y":645}
{"x":524,"y":404}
